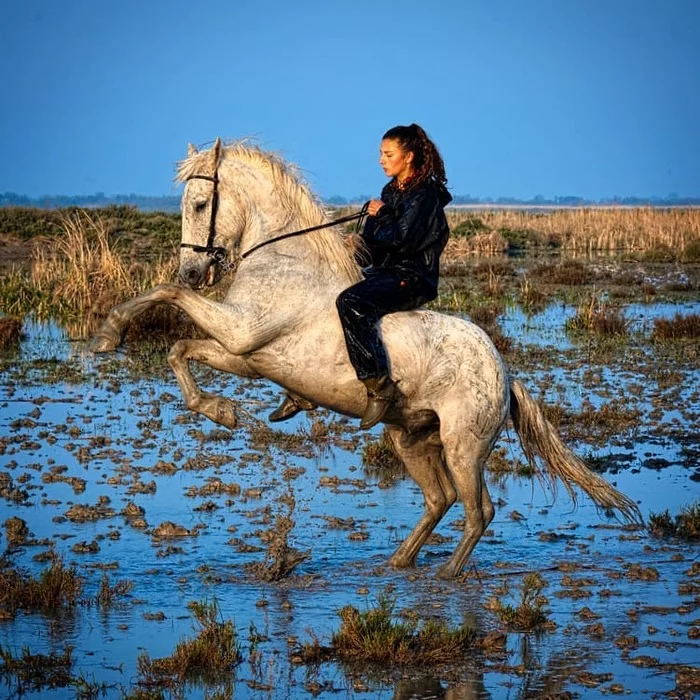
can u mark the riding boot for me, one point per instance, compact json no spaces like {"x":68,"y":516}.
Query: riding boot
{"x":290,"y":406}
{"x":381,"y":392}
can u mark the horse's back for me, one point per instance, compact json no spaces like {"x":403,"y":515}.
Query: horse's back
{"x":441,"y":358}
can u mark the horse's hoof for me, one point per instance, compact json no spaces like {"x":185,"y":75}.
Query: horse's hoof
{"x":226,"y":415}
{"x":103,"y":342}
{"x":401,"y":562}
{"x":446,"y":572}
{"x":219,"y":410}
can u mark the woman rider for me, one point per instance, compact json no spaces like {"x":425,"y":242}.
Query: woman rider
{"x":405,"y":233}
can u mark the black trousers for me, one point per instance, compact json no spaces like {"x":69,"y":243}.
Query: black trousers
{"x":383,"y":291}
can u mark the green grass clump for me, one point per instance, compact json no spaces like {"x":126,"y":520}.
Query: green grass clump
{"x":376,"y":636}
{"x":470,"y":227}
{"x":57,"y":587}
{"x":691,"y":252}
{"x":530,"y":612}
{"x":685,"y":525}
{"x":660,"y":252}
{"x":212,"y":654}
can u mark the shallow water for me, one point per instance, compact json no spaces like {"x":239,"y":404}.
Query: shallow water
{"x":110,"y":424}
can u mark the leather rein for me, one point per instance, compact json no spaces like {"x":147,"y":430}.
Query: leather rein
{"x":219,"y":254}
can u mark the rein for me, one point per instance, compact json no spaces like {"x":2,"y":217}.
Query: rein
{"x":219,"y":254}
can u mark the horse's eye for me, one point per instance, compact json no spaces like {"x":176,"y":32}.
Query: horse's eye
{"x":200,"y":206}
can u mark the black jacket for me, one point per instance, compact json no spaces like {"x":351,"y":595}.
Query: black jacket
{"x":410,"y":232}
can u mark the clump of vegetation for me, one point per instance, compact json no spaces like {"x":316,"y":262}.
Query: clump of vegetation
{"x":530,"y":612}
{"x":57,"y":587}
{"x":10,"y":331}
{"x":685,"y":525}
{"x":486,"y":316}
{"x":597,"y":317}
{"x":471,"y":226}
{"x":108,"y":593}
{"x":37,"y":672}
{"x":569,"y":272}
{"x":531,"y":298}
{"x":659,"y":252}
{"x":381,"y":454}
{"x":79,"y":273}
{"x":212,"y":654}
{"x":375,"y":635}
{"x":691,"y":252}
{"x":679,"y":326}
{"x":521,"y":238}
{"x":123,"y":221}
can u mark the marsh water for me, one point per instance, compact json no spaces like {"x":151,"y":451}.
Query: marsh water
{"x":624,"y":603}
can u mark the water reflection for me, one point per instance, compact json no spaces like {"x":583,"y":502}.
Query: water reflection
{"x":428,"y":687}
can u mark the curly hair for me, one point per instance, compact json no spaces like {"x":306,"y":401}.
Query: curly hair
{"x":427,"y":161}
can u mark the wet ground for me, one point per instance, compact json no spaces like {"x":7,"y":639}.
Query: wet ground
{"x":110,"y":431}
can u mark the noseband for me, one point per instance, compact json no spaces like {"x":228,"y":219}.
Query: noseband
{"x":218,"y":254}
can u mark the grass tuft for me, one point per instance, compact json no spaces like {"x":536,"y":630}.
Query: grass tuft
{"x":597,"y":317}
{"x":685,"y":525}
{"x":212,"y":654}
{"x":530,"y":613}
{"x":380,"y":454}
{"x":57,"y":587}
{"x":679,"y":326}
{"x":376,"y":636}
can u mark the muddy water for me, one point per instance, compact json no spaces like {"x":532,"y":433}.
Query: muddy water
{"x":625,"y":605}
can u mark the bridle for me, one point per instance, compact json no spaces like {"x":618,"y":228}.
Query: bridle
{"x":218,"y":254}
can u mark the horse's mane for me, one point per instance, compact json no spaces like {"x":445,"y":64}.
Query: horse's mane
{"x":300,"y":203}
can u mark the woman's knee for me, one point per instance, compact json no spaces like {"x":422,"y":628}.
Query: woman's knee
{"x":347,"y":300}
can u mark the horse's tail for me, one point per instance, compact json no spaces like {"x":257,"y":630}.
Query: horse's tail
{"x":539,"y":437}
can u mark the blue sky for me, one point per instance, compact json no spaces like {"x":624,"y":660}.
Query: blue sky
{"x":523,"y":97}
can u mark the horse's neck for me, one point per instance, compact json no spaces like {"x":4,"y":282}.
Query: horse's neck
{"x":320,"y":255}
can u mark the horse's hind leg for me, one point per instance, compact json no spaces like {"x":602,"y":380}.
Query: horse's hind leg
{"x":423,"y":460}
{"x":217,"y":408}
{"x":465,"y":454}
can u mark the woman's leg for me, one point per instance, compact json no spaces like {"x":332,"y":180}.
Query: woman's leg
{"x":359,"y":308}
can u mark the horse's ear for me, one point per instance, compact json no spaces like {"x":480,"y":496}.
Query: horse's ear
{"x":216,"y":151}
{"x":191,"y":150}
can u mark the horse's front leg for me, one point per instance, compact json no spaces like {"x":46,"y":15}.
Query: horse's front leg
{"x":111,"y":332}
{"x":217,"y":408}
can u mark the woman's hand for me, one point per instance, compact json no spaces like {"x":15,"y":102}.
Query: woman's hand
{"x":374,"y":206}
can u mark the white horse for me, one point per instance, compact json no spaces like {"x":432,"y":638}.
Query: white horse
{"x":279,"y":321}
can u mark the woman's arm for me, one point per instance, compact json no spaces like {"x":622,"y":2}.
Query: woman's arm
{"x":406,"y":226}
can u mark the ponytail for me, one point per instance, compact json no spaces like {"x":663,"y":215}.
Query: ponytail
{"x":427,"y":161}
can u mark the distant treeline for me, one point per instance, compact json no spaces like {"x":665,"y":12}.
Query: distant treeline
{"x":172,"y":203}
{"x":92,"y":201}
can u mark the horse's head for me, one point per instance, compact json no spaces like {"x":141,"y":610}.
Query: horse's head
{"x":211,"y":224}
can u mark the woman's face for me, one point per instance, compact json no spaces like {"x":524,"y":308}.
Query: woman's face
{"x":394,"y":160}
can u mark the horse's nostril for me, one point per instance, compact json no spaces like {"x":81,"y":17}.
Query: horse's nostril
{"x":191,"y":277}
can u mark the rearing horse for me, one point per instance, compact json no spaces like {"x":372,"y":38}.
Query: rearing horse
{"x":279,"y":321}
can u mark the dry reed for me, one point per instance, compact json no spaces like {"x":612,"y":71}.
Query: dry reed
{"x":680,"y":326}
{"x":83,"y":275}
{"x":592,"y":229}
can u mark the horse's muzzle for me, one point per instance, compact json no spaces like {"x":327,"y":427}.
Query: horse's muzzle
{"x":197,"y":277}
